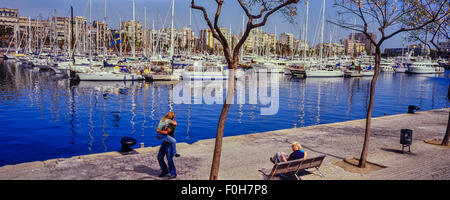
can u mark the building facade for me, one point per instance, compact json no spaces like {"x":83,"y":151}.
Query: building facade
{"x":362,"y":38}
{"x":9,"y":17}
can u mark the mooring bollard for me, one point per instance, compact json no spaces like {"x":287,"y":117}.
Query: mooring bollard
{"x":127,"y":142}
{"x":295,"y":125}
{"x":142,"y":145}
{"x":412,"y":108}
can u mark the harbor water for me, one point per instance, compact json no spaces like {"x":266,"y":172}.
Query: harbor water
{"x":44,"y":116}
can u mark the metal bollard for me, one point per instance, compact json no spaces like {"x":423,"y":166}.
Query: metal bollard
{"x":412,"y":108}
{"x":142,"y":145}
{"x":127,"y":142}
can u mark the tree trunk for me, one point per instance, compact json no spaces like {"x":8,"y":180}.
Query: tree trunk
{"x":447,"y":133}
{"x":446,"y":137}
{"x":214,"y":175}
{"x":363,"y":159}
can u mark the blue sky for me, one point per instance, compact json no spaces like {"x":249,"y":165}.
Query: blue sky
{"x":158,"y":10}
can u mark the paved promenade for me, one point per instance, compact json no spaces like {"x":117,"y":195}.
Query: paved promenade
{"x":243,"y":156}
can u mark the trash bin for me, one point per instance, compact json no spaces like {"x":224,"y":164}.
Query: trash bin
{"x":127,"y":143}
{"x":406,"y":139}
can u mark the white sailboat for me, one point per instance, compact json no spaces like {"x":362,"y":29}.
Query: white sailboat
{"x":109,"y":76}
{"x":320,"y":71}
{"x":167,"y":75}
{"x":198,"y":72}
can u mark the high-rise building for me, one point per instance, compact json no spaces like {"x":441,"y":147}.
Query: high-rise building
{"x":362,"y":38}
{"x":353,"y":47}
{"x":187,"y":37}
{"x":287,"y":39}
{"x":127,"y":28}
{"x":9,"y":17}
{"x":207,"y":39}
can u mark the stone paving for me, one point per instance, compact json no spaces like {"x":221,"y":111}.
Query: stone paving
{"x":243,"y":156}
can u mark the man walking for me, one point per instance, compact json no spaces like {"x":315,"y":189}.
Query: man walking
{"x":166,"y":150}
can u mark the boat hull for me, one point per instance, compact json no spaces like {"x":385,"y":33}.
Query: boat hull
{"x":324,"y":73}
{"x":204,"y":76}
{"x":400,"y":70}
{"x":158,"y":77}
{"x":109,"y":77}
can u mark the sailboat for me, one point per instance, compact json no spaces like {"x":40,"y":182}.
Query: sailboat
{"x":199,"y":72}
{"x":321,"y":71}
{"x":97,"y":71}
{"x":166,"y":75}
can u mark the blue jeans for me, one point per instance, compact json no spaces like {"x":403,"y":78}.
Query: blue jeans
{"x":168,"y":139}
{"x":166,"y":150}
{"x":277,"y":157}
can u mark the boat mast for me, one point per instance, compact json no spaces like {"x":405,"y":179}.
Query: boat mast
{"x":190,"y":31}
{"x":172,"y":32}
{"x":71,"y":35}
{"x":29,"y":35}
{"x":55,"y":35}
{"x":104,"y":34}
{"x":151,"y":37}
{"x":321,"y":33}
{"x":306,"y":29}
{"x":134,"y":30}
{"x":120,"y":36}
{"x":145,"y":32}
{"x":96,"y":38}
{"x":90,"y":33}
{"x":172,"y":35}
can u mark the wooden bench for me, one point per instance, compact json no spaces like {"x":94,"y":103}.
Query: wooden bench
{"x":293,"y":167}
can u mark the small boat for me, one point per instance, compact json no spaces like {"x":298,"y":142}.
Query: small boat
{"x":368,"y":73}
{"x":161,"y":77}
{"x":387,"y":67}
{"x":350,"y":73}
{"x":109,"y":76}
{"x":400,"y":69}
{"x":205,"y":73}
{"x":323,"y":72}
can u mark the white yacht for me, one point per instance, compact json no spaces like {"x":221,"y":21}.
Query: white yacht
{"x":425,"y":67}
{"x":322,"y":72}
{"x":387,"y":66}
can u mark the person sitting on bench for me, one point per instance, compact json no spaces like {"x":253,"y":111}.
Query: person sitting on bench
{"x":298,"y":153}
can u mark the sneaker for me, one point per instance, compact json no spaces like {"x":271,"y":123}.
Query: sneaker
{"x":177,"y":155}
{"x":172,"y":176}
{"x":163,"y":175}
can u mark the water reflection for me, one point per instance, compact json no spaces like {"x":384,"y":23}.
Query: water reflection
{"x":52,"y":117}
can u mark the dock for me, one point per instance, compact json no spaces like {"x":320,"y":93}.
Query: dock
{"x":337,"y":141}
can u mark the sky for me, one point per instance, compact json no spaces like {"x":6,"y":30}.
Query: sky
{"x":159,"y":12}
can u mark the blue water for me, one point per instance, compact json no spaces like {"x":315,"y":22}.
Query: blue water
{"x":44,"y":117}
